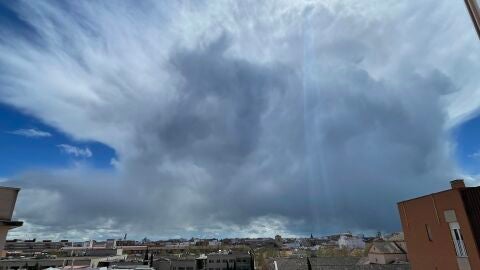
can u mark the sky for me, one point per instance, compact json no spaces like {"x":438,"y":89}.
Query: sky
{"x":221,"y":119}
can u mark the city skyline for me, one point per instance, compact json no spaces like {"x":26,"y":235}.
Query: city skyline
{"x":218,"y":119}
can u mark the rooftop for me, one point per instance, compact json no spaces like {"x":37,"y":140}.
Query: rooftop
{"x":332,"y":263}
{"x":386,"y":248}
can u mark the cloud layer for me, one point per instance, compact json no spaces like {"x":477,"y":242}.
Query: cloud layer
{"x":240,"y":118}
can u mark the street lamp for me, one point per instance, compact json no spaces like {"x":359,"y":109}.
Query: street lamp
{"x":472,"y":6}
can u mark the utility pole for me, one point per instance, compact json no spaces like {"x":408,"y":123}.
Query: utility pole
{"x":472,"y":6}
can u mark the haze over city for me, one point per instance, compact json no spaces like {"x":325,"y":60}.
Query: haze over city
{"x":166,"y":119}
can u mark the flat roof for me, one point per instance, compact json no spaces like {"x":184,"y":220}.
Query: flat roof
{"x":63,"y":258}
{"x":437,"y":193}
{"x":11,"y":223}
{"x":13,"y":188}
{"x":89,"y":248}
{"x":424,"y":196}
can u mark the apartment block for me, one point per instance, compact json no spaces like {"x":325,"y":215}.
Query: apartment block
{"x":442,"y":230}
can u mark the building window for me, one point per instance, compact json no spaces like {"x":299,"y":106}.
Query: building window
{"x":429,"y":232}
{"x":232,"y":260}
{"x":218,"y":260}
{"x":458,"y":240}
{"x":189,"y":268}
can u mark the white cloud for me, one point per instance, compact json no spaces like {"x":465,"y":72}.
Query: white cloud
{"x":31,"y":132}
{"x":295,"y":110}
{"x":75,"y":151}
{"x":475,"y":155}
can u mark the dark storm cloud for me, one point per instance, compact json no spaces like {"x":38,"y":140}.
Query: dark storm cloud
{"x":301,"y":121}
{"x":221,"y":100}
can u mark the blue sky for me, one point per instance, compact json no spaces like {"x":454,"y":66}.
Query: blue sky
{"x":21,"y":153}
{"x":227,"y":119}
{"x":467,"y":140}
{"x":27,"y":153}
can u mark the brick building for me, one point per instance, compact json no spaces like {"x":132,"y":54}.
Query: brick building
{"x":442,"y":230}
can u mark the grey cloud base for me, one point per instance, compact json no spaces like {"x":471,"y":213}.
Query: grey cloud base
{"x":230,"y":122}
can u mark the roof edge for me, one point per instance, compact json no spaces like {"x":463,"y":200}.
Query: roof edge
{"x":13,"y":188}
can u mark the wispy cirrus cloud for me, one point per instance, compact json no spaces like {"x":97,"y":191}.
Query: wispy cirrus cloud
{"x":75,"y":151}
{"x":31,"y":133}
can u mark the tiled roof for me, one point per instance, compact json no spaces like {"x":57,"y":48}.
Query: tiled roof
{"x":386,"y":248}
{"x":396,"y":237}
{"x":330,"y":263}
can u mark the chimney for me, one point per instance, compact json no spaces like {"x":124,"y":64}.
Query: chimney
{"x":457,"y":184}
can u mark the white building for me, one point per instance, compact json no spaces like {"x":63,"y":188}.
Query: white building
{"x":350,"y":242}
